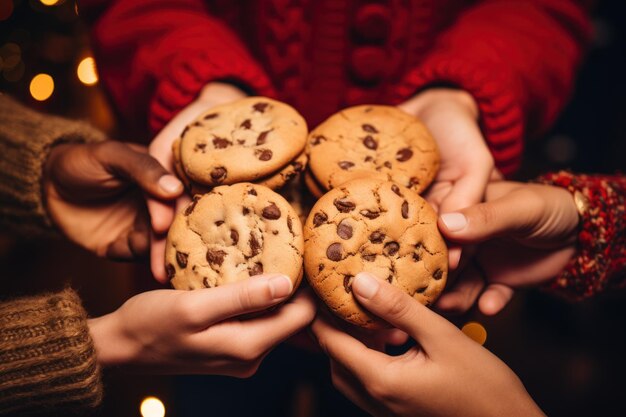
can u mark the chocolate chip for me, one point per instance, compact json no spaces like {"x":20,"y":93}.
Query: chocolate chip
{"x":260,"y":107}
{"x":413,"y":181}
{"x":387,"y":164}
{"x":262,"y":137}
{"x":221,"y":143}
{"x":369,"y":158}
{"x":390,"y":278}
{"x":298,"y":166}
{"x":417,"y":257}
{"x":319,"y":219}
{"x":185,"y":130}
{"x":320,"y":267}
{"x":219,"y":223}
{"x":246,"y":124}
{"x":255,"y":246}
{"x":290,"y":225}
{"x":271,"y":212}
{"x":377,"y":237}
{"x":396,"y":190}
{"x":200,"y":147}
{"x":191,"y":206}
{"x":234,"y":236}
{"x":219,"y":174}
{"x":245,"y":211}
{"x":369,"y":257}
{"x":391,"y":248}
{"x":215,"y":256}
{"x":256,"y":269}
{"x":205,"y":282}
{"x":369,"y":128}
{"x":369,"y":214}
{"x":344,"y":230}
{"x":438,"y":274}
{"x":405,"y":209}
{"x":317,"y":139}
{"x":252,"y":191}
{"x":263,"y":154}
{"x":335,"y":252}
{"x":181,"y":259}
{"x":421,"y":289}
{"x":344,"y":205}
{"x":241,"y":141}
{"x":275,"y":232}
{"x":347,"y":283}
{"x":345,"y":164}
{"x":370,"y":143}
{"x":210,"y":116}
{"x":170,"y":270}
{"x":404,"y":154}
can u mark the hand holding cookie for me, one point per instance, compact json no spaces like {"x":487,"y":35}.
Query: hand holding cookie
{"x":446,"y":373}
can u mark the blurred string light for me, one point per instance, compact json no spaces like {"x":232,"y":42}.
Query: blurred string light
{"x":86,"y":71}
{"x":41,"y":87}
{"x":152,"y":407}
{"x":49,"y":2}
{"x":475,"y":331}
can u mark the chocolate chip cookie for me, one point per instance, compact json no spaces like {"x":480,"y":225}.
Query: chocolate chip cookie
{"x":381,"y":142}
{"x":368,"y":225}
{"x":242,"y":141}
{"x":232,"y":233}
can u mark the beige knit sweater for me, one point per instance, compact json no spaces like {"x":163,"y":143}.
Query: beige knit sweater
{"x":47,"y":358}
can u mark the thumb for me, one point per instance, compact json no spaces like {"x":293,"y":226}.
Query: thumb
{"x":514,"y":214}
{"x":142,"y":169}
{"x":401,"y":310}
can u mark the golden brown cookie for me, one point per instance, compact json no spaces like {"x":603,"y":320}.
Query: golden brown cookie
{"x":245,"y":140}
{"x":381,"y":142}
{"x":232,"y":233}
{"x":368,"y":225}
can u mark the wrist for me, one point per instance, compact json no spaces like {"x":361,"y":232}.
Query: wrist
{"x":112,"y":347}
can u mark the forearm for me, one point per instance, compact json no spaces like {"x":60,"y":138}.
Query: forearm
{"x":25,"y":140}
{"x":600,"y":260}
{"x":47,"y":358}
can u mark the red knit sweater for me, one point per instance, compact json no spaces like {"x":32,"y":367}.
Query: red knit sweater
{"x":517,"y":58}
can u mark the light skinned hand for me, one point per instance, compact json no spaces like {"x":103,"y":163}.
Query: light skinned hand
{"x":451,"y":116}
{"x":94,"y":195}
{"x":446,"y":374}
{"x":528,"y":234}
{"x":162,"y":213}
{"x":202,"y":331}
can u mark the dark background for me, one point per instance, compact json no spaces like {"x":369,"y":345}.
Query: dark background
{"x":571,"y":357}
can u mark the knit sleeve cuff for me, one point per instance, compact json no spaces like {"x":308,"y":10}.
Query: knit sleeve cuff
{"x":600,"y":259}
{"x":47,"y":357}
{"x":189,"y":74}
{"x":496,"y":92}
{"x":26,"y":138}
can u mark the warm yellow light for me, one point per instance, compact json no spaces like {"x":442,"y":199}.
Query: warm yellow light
{"x":41,"y":87}
{"x":49,"y":2}
{"x":475,"y":331}
{"x":86,"y":71}
{"x":152,"y":407}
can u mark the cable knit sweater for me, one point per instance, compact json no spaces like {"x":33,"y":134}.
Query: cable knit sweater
{"x":47,"y":357}
{"x":516,"y":57}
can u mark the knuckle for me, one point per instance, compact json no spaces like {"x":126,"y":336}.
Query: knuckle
{"x":243,"y":298}
{"x":398,"y":307}
{"x":485,"y":214}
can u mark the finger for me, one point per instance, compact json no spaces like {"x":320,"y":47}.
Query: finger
{"x":161,"y":214}
{"x":467,"y":190}
{"x":494,"y":299}
{"x":242,"y":297}
{"x":119,"y":250}
{"x":157,"y":257}
{"x":347,"y":350}
{"x":464,"y":293}
{"x":396,"y":337}
{"x":139,"y":237}
{"x":400,"y":310}
{"x":512,"y":214}
{"x":141,"y":168}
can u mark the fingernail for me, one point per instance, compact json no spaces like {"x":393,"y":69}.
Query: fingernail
{"x":170,"y":184}
{"x":365,"y":285}
{"x":454,"y":221}
{"x":280,"y":286}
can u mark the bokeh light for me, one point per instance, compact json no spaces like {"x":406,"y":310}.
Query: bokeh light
{"x":152,"y":407}
{"x":49,"y":2}
{"x":86,"y":71}
{"x":6,"y":8}
{"x":475,"y":331}
{"x":41,"y":87}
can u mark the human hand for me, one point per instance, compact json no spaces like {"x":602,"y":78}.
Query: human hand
{"x":466,"y":162}
{"x":93,"y":194}
{"x":446,"y":374}
{"x":202,"y":331}
{"x":162,"y":213}
{"x":529,"y":234}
